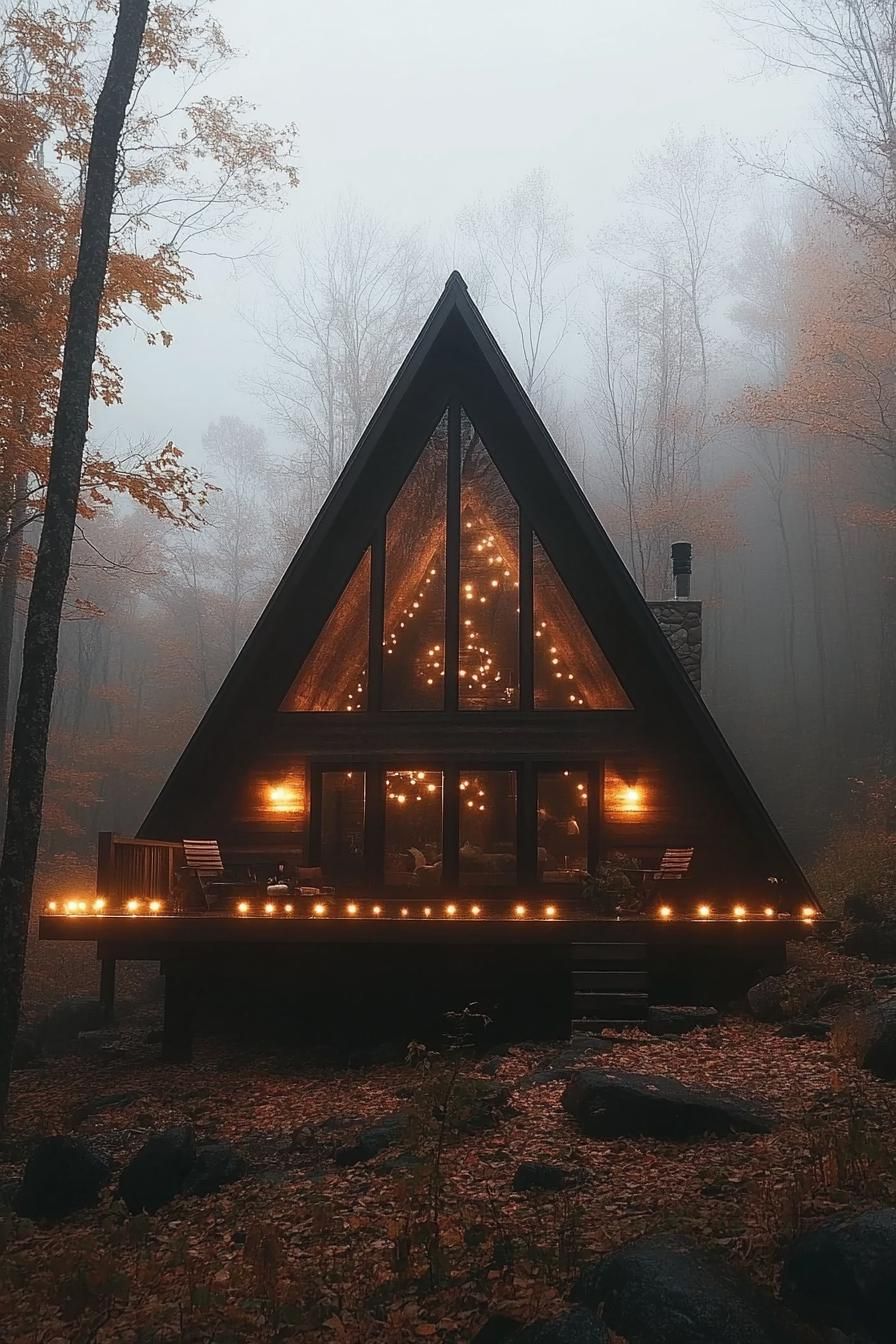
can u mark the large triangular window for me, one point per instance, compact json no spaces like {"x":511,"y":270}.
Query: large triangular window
{"x":488,"y":643}
{"x":414,"y":605}
{"x":334,"y":675}
{"x":570,"y":670}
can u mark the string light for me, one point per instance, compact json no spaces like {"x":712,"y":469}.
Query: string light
{"x":377,"y":909}
{"x":155,"y":907}
{"x":320,"y":908}
{"x":404,"y":912}
{"x":809,"y":912}
{"x":427,"y":911}
{"x":132,"y":906}
{"x":475,"y":910}
{"x":99,"y":905}
{"x":351,"y":908}
{"x":52,"y":907}
{"x":550,"y":911}
{"x":288,"y":909}
{"x":739,"y":912}
{"x":665,"y":912}
{"x":704,"y":911}
{"x":243,"y":907}
{"x":450,"y":910}
{"x":770,"y":912}
{"x":519,"y":911}
{"x":270,"y":908}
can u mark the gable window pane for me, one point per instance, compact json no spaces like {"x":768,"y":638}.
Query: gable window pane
{"x":342,"y":826}
{"x":562,"y":825}
{"x":488,"y":660}
{"x":487,"y":828}
{"x":334,"y":675}
{"x":413,"y":848}
{"x":414,"y":625}
{"x":570,"y":671}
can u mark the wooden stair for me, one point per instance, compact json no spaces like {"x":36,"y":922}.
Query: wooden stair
{"x":609,"y":985}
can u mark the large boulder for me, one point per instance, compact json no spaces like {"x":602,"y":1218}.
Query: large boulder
{"x":609,"y":1104}
{"x":216,"y":1165}
{"x":794,"y":994}
{"x":668,"y":1290}
{"x":157,"y":1173}
{"x":67,"y":1019}
{"x":869,"y":1038}
{"x":843,"y":1275}
{"x":875,"y":941}
{"x":386,"y":1132}
{"x":674,"y":1021}
{"x":61,"y":1176}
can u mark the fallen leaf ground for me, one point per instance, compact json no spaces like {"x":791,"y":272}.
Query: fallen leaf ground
{"x":301,"y":1249}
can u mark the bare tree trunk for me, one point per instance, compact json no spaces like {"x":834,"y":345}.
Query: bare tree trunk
{"x":29,"y":746}
{"x":9,"y":589}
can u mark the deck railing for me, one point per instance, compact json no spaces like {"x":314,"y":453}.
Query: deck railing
{"x":128,"y":868}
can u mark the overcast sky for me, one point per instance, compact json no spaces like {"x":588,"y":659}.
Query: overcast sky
{"x":417,"y":109}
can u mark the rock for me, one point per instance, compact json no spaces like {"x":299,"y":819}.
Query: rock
{"x":497,"y":1330}
{"x":844,"y":1275}
{"x":27,"y":1048}
{"x":794,"y":994}
{"x":613,"y":1104}
{"x":869,"y":1038}
{"x":61,"y":1176}
{"x":156,"y":1174}
{"x":386,"y":1132}
{"x":544,"y":1176}
{"x":675,"y":1021}
{"x":576,"y":1326}
{"x":68,"y":1018}
{"x":216,"y":1165}
{"x":875,"y":941}
{"x":668,"y":1290}
{"x":808,"y":1028}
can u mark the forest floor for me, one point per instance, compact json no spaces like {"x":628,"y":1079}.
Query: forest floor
{"x":303,"y":1249}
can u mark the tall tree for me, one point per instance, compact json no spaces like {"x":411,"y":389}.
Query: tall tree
{"x":522,"y":246}
{"x":29,"y":748}
{"x":336,"y":331}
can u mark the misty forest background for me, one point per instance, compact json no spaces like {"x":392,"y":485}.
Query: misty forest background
{"x":715,"y":361}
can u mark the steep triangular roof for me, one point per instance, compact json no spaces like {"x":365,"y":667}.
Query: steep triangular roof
{"x":455,"y":355}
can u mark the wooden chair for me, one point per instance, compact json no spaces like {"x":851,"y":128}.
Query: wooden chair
{"x":674,"y":865}
{"x":219,"y":887}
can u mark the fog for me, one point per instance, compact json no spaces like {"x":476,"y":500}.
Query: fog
{"x":627,"y":148}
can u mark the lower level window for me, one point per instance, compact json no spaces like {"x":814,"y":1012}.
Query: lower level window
{"x":487,"y":831}
{"x":342,"y":826}
{"x":413,"y":848}
{"x":562,"y":825}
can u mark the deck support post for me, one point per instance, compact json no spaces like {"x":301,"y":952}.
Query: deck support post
{"x":107,"y":986}
{"x":177,"y":1026}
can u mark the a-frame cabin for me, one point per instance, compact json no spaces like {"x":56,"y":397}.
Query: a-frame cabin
{"x":461,"y":738}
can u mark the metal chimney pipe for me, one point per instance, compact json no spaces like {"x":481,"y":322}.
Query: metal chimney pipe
{"x":681,"y":570}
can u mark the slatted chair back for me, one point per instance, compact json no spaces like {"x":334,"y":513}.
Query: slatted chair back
{"x":204,"y":858}
{"x":675,"y":864}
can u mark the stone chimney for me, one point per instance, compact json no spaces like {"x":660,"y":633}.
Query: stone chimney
{"x":681,"y":619}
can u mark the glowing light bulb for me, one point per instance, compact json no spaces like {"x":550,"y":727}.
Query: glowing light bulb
{"x":132,"y":907}
{"x":52,"y":907}
{"x":427,"y":911}
{"x":82,"y":907}
{"x":665,"y":912}
{"x":739,"y":912}
{"x":808,"y":912}
{"x":320,"y":909}
{"x":155,"y":907}
{"x":704,"y":911}
{"x":450,"y":909}
{"x":377,"y":909}
{"x":769,"y":912}
{"x":288,"y":909}
{"x":550,"y":911}
{"x":243,"y":907}
{"x":99,"y":905}
{"x":351,"y":908}
{"x":519,"y":911}
{"x":475,"y":910}
{"x":270,"y":908}
{"x":404,"y":912}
